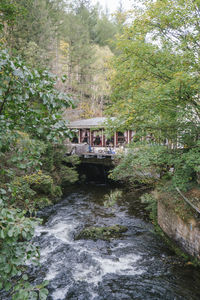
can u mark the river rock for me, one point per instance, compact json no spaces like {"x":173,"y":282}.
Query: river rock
{"x":103,"y":233}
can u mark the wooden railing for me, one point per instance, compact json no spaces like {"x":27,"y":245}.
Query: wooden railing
{"x":188,"y":201}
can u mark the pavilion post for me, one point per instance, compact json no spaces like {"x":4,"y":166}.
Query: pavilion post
{"x":129,"y":136}
{"x":79,"y":136}
{"x":115,"y":139}
{"x":90,"y":137}
{"x":102,"y":137}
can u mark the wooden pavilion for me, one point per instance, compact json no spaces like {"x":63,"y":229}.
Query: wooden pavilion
{"x":92,"y":133}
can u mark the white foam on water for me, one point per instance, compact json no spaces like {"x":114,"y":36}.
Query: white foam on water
{"x":60,"y":294}
{"x":39,"y":230}
{"x":121,"y":245}
{"x":85,"y":273}
{"x":52,"y":273}
{"x":45,"y":252}
{"x":125,"y":265}
{"x":61,"y":231}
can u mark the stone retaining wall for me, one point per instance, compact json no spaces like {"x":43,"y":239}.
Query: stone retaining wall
{"x":185,"y":233}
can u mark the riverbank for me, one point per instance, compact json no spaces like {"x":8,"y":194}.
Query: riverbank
{"x":180,"y":222}
{"x":173,"y":176}
{"x":137,"y":265}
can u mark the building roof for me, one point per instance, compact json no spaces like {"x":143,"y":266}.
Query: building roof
{"x":88,"y":123}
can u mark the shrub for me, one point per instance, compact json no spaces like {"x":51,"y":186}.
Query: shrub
{"x":39,"y":182}
{"x":26,"y":189}
{"x":112,"y":198}
{"x":15,"y":247}
{"x":153,"y":164}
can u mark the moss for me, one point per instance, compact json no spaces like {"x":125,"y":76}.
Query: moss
{"x":103,"y":233}
{"x":42,"y":202}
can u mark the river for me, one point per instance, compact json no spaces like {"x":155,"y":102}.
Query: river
{"x":136,"y":266}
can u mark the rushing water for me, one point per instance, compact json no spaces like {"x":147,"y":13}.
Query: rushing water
{"x":136,"y":266}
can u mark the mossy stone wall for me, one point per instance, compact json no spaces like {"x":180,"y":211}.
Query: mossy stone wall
{"x":186,"y":233}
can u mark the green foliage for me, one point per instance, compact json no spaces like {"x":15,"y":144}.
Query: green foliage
{"x":21,"y":176}
{"x":156,"y":80}
{"x":25,"y":190}
{"x":28,"y":100}
{"x":143,"y":163}
{"x":10,"y":10}
{"x":31,"y":29}
{"x":112,"y":198}
{"x":187,"y":166}
{"x":62,"y":168}
{"x":16,"y":230}
{"x":67,"y":171}
{"x":21,"y":152}
{"x":155,"y":85}
{"x":30,"y":121}
{"x":41,"y":202}
{"x":154,"y":164}
{"x":63,"y":36}
{"x":68,"y":175}
{"x":105,"y":32}
{"x":72,"y":159}
{"x":85,"y":48}
{"x":151,"y":201}
{"x":39,"y":182}
{"x":27,"y":292}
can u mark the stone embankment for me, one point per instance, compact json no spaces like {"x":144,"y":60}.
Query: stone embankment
{"x":186,"y":233}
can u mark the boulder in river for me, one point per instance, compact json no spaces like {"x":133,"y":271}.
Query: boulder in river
{"x":103,"y":233}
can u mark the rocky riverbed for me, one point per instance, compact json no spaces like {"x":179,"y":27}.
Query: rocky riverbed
{"x":136,"y":265}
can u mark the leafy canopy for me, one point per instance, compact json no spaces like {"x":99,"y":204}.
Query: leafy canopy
{"x":156,"y":77}
{"x":155,"y":84}
{"x":29,"y":101}
{"x":31,"y":126}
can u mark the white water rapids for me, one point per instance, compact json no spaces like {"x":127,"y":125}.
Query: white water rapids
{"x":135,"y":266}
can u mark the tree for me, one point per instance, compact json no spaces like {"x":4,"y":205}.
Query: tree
{"x":79,"y":54}
{"x":9,"y":10}
{"x":159,"y":78}
{"x":33,"y":31}
{"x":105,"y":31}
{"x":156,"y":76}
{"x":28,"y":99}
{"x":31,"y":128}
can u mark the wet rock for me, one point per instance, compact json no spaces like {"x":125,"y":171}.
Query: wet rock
{"x":78,"y":292}
{"x":103,"y":233}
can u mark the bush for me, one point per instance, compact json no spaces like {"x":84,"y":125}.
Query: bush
{"x":143,"y":164}
{"x":61,"y":168}
{"x":39,"y":182}
{"x":186,"y":168}
{"x":30,"y":121}
{"x":153,"y":164}
{"x":151,"y":201}
{"x":26,"y":189}
{"x":15,"y":247}
{"x":41,"y":202}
